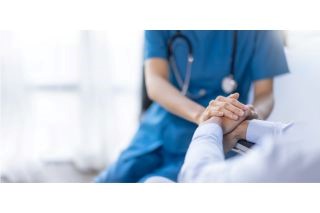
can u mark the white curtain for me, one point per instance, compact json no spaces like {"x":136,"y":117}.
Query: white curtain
{"x":67,"y":97}
{"x":14,"y":105}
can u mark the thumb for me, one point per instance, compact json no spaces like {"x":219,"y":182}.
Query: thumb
{"x":234,"y":95}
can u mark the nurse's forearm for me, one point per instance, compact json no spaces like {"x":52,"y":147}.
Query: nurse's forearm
{"x":160,"y":90}
{"x":171,"y":99}
{"x":263,"y":105}
{"x":263,"y":98}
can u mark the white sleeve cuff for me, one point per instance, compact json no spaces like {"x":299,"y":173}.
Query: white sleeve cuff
{"x":257,"y":129}
{"x":208,"y":129}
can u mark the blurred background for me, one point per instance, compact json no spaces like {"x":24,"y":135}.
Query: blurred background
{"x":70,"y":100}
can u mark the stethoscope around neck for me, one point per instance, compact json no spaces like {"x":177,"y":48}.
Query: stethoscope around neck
{"x":228,"y":83}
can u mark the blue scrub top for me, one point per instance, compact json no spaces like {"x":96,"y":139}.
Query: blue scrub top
{"x":259,"y":55}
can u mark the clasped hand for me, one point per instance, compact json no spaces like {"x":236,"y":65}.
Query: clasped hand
{"x":231,"y":115}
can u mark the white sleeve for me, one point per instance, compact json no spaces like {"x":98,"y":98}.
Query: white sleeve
{"x":206,"y":148}
{"x":205,"y":162}
{"x":258,"y":129}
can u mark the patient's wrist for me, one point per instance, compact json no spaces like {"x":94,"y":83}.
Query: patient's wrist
{"x":242,"y":130}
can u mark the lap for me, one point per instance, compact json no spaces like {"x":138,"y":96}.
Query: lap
{"x":138,"y":168}
{"x":131,"y":168}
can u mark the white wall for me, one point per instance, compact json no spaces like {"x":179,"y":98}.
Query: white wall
{"x":297,"y":94}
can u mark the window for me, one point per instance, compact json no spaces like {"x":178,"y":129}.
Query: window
{"x":69,"y":96}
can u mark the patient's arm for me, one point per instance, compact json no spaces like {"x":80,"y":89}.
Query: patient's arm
{"x":205,"y":162}
{"x":207,"y":144}
{"x":253,"y":131}
{"x":206,"y":148}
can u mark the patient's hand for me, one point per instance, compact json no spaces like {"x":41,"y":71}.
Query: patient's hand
{"x":227,"y":124}
{"x":230,"y":139}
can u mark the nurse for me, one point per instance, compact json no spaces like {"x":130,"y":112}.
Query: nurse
{"x":162,"y":139}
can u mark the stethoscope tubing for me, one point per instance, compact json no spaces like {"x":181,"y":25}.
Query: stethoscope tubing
{"x":184,"y":84}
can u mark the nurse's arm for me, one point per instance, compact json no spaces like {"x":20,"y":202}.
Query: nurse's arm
{"x":159,"y":89}
{"x":263,"y":101}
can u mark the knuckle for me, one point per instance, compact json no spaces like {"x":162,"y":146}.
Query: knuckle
{"x":215,"y":112}
{"x":218,"y":103}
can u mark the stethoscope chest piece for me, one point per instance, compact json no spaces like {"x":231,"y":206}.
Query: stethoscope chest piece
{"x":229,"y":85}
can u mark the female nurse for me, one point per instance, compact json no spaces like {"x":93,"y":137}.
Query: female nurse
{"x":166,"y":128}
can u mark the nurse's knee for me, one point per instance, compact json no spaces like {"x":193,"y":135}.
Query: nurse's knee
{"x":118,"y":172}
{"x":130,"y":169}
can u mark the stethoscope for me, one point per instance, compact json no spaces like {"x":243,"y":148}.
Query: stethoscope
{"x":228,"y":83}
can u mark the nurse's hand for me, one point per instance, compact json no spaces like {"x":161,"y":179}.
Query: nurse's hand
{"x":228,"y":107}
{"x":227,"y":124}
{"x":252,"y":112}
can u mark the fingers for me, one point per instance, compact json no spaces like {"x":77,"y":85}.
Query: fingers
{"x":228,"y":108}
{"x":234,"y":96}
{"x":250,"y":106}
{"x":233,"y":109}
{"x":214,"y":112}
{"x":211,"y":112}
{"x":229,"y":114}
{"x":251,"y":113}
{"x":205,"y":115}
{"x":233,"y":101}
{"x":220,"y":109}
